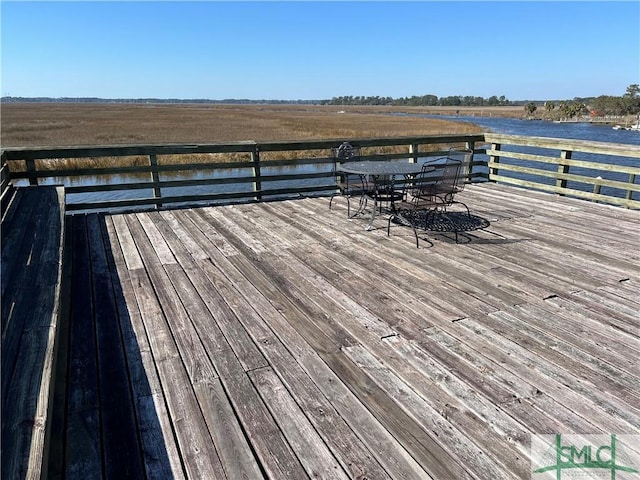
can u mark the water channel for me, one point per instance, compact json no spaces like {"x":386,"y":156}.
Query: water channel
{"x":596,"y":132}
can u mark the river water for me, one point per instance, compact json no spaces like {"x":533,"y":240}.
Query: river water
{"x":538,"y":128}
{"x":573,"y":130}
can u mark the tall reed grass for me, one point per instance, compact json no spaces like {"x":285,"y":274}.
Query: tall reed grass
{"x":66,"y":124}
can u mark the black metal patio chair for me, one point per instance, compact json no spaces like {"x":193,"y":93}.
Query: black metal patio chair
{"x":349,"y":184}
{"x":428,"y":197}
{"x":451,"y":184}
{"x":465,"y":157}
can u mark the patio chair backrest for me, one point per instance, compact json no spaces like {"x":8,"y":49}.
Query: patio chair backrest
{"x":348,"y":183}
{"x":451,"y":173}
{"x":423,"y":186}
{"x":465,"y":157}
{"x":343,"y":154}
{"x":448,"y":184}
{"x":346,"y":153}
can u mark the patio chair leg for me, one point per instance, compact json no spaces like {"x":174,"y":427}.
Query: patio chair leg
{"x":413,"y":226}
{"x":453,"y":225}
{"x":373,"y":217}
{"x":430,"y":213}
{"x":465,"y":206}
{"x":362,"y":204}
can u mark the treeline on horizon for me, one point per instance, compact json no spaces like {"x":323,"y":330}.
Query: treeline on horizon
{"x":626,"y":104}
{"x":413,"y":101}
{"x":602,"y":106}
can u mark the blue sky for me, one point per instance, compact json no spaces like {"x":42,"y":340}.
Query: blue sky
{"x":319,"y":50}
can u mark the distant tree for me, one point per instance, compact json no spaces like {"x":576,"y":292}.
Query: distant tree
{"x":608,"y":105}
{"x":631,"y":100}
{"x":453,"y":101}
{"x":579,"y":108}
{"x":431,"y":100}
{"x":549,"y":106}
{"x":633,"y":91}
{"x":572,"y":109}
{"x":631,"y":106}
{"x":530,"y":108}
{"x":565,"y":109}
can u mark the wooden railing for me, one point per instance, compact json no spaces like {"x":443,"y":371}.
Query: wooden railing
{"x":575,"y":168}
{"x":253,"y":169}
{"x":261,"y":171}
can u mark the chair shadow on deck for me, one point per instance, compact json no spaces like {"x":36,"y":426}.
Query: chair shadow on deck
{"x":456,"y":223}
{"x":464,"y":225}
{"x":106,"y":418}
{"x":448,"y":226}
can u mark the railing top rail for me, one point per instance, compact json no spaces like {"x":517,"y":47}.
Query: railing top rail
{"x":623,"y":150}
{"x":83,"y":151}
{"x":372,"y":142}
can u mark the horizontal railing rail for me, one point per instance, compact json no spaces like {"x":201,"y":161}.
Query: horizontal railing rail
{"x":154,"y":176}
{"x":596,"y":171}
{"x":253,"y":171}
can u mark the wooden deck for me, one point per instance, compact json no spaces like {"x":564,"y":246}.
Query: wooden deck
{"x":282,"y":340}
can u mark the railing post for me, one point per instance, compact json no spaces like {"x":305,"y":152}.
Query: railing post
{"x":563,"y":169}
{"x":5,"y":175}
{"x":472,"y":147}
{"x":596,"y":188}
{"x":31,"y":170}
{"x":155,"y":178}
{"x":632,"y":180}
{"x":5,"y":185}
{"x":494,"y":159}
{"x":257,"y":184}
{"x":414,"y":149}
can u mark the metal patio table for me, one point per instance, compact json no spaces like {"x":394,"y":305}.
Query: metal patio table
{"x":378,"y":169}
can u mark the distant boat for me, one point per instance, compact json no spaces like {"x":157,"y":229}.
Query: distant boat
{"x":635,"y":127}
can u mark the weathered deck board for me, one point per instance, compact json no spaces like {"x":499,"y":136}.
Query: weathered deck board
{"x":281,"y":345}
{"x":282,"y":340}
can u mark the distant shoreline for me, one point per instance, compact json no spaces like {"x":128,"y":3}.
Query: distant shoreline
{"x":514,"y":110}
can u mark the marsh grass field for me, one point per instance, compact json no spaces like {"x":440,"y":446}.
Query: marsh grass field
{"x":94,"y":124}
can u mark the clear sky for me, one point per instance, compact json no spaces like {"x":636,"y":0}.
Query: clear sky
{"x":319,"y":50}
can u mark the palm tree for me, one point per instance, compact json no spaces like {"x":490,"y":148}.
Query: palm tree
{"x":530,"y":108}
